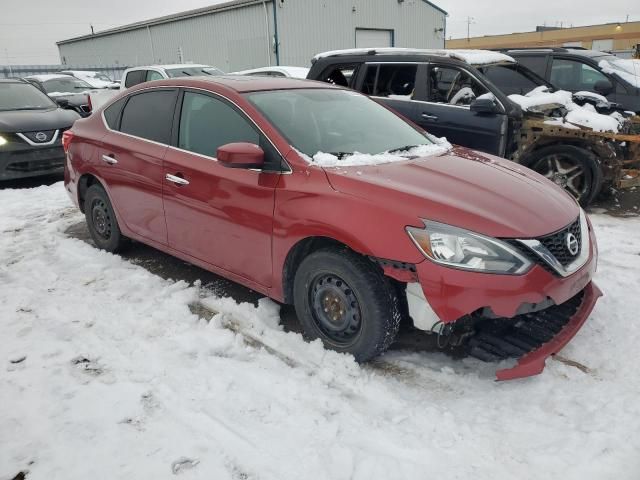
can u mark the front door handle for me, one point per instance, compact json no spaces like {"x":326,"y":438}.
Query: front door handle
{"x":429,"y":117}
{"x":109,"y":159}
{"x":175,"y":179}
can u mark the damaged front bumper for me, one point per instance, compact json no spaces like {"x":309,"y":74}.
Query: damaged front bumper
{"x":525,"y":317}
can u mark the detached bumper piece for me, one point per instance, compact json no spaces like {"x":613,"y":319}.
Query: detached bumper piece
{"x":533,"y":337}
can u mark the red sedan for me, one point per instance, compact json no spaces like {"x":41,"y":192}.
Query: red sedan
{"x":320,"y":197}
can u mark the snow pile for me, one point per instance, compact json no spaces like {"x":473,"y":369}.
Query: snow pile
{"x":472,"y":57}
{"x":628,"y":70}
{"x":363,"y":159}
{"x":106,"y":373}
{"x":541,"y":100}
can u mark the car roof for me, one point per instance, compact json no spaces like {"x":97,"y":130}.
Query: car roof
{"x":296,"y":72}
{"x":172,"y":65}
{"x":14,"y":80}
{"x":471,"y":57}
{"x":48,"y":76}
{"x":240,"y":83}
{"x":578,"y":52}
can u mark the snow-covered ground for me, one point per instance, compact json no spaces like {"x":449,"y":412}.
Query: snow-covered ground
{"x":105,"y":372}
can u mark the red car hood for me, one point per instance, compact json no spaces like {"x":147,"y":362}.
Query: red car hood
{"x":468,"y":189}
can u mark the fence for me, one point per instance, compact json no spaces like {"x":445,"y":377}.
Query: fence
{"x":6,"y":71}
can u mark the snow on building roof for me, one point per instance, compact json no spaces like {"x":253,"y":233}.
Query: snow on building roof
{"x":472,"y":57}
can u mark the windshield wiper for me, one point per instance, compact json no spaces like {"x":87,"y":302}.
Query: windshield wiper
{"x":187,"y":73}
{"x":24,"y":108}
{"x":340,"y":154}
{"x":206,"y":73}
{"x":405,"y":148}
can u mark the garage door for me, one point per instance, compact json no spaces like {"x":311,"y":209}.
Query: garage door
{"x":366,"y":38}
{"x":602,"y":45}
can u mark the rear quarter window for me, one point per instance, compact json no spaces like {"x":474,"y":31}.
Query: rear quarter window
{"x":112,"y":114}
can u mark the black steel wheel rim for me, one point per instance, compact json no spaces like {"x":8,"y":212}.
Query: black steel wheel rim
{"x":565,"y":172}
{"x":335,"y":309}
{"x":101,"y":219}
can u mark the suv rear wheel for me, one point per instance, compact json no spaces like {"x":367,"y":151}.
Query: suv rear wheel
{"x":573,"y":168}
{"x":347,"y":302}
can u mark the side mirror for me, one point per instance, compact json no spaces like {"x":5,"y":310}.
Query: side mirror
{"x":241,"y":155}
{"x":62,"y":102}
{"x":603,"y":87}
{"x":484,"y":106}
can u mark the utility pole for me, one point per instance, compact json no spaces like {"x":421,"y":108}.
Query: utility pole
{"x":6,"y":52}
{"x":470,"y":20}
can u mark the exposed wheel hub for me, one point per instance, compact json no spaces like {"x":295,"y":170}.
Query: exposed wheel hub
{"x":335,"y":308}
{"x":101,"y":219}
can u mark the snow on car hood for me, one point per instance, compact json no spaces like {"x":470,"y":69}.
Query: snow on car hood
{"x":541,"y":100}
{"x":362,"y":159}
{"x":472,"y":190}
{"x":627,"y":69}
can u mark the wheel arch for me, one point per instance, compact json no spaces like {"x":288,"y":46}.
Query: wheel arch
{"x":301,"y":249}
{"x":86,"y":181}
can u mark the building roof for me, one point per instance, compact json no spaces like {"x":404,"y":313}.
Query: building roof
{"x":230,"y":5}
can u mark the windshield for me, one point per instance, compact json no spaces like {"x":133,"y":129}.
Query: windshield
{"x":189,"y":71}
{"x":64,"y":85}
{"x":339,"y":122}
{"x":101,"y":76}
{"x":23,"y":96}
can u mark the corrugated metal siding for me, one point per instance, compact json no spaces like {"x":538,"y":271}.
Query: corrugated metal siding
{"x":309,"y":27}
{"x":230,"y":40}
{"x":242,"y":38}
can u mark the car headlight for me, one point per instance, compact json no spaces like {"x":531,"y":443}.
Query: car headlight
{"x":3,"y":141}
{"x":459,"y":248}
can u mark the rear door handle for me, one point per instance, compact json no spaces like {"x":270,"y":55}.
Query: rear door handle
{"x":109,"y":159}
{"x":175,"y":179}
{"x":428,"y":116}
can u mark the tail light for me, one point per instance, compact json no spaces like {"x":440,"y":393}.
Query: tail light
{"x":67,"y":137}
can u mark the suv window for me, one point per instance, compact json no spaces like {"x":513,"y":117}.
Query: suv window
{"x":112,"y":113}
{"x":207,"y":123}
{"x":390,"y":80}
{"x":509,"y":79}
{"x":153,"y":75}
{"x":149,"y":115}
{"x":536,"y":63}
{"x":453,"y":85}
{"x":134,"y":78}
{"x":574,"y":75}
{"x":340,"y":75}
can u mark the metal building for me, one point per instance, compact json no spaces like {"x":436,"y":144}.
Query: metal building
{"x":243,"y":34}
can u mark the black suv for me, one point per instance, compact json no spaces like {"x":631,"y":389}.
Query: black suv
{"x":463,"y":95}
{"x":31,"y":126}
{"x":578,"y":70}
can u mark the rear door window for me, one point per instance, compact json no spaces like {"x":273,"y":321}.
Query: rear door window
{"x":135,"y":77}
{"x":149,"y":115}
{"x":391,"y":80}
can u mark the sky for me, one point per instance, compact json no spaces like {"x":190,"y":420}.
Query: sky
{"x":29,"y":29}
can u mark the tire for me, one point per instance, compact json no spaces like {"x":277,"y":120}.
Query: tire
{"x":101,"y":220}
{"x":345,"y":300}
{"x":575,"y":169}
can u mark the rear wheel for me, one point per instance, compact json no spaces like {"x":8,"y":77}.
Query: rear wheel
{"x":575,"y":169}
{"x":346,"y":301}
{"x":101,"y":220}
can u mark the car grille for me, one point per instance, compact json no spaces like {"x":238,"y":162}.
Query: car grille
{"x":42,"y":136}
{"x":557,"y":243}
{"x":35,"y":160}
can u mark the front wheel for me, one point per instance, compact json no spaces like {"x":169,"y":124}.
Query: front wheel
{"x":343,"y":299}
{"x":575,"y":169}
